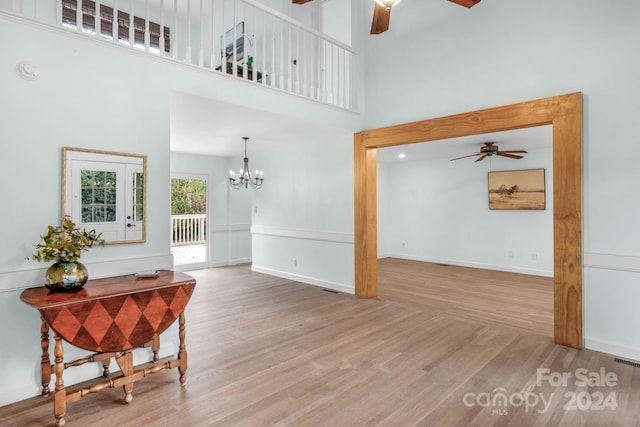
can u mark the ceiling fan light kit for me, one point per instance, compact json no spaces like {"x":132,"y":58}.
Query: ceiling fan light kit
{"x":382,"y":12}
{"x":466,"y":3}
{"x":388,"y":4}
{"x":489,"y":149}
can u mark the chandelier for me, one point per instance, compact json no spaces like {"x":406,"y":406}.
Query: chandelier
{"x":387,"y":4}
{"x":244,"y":178}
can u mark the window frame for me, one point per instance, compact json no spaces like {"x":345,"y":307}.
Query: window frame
{"x":127,"y":227}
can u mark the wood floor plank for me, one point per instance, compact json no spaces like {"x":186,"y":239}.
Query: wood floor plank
{"x":266,"y":351}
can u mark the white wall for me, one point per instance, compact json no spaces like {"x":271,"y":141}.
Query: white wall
{"x":438,"y":211}
{"x":92,"y":94}
{"x":229,"y":211}
{"x":304,"y":212}
{"x":506,"y":51}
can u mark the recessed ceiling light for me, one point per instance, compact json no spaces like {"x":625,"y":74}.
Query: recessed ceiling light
{"x":402,"y":156}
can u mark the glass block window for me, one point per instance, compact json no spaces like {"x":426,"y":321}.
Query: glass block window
{"x":98,"y":196}
{"x":138,"y":196}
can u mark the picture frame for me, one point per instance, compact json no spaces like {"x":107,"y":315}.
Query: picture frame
{"x":522,"y":189}
{"x":105,"y":191}
{"x":228,"y":42}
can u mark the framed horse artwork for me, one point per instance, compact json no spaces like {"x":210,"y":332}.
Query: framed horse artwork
{"x":517,"y":189}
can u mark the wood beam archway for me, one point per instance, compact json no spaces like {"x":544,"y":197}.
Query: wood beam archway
{"x":564,"y":113}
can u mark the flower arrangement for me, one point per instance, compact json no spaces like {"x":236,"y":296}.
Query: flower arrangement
{"x":65,"y":243}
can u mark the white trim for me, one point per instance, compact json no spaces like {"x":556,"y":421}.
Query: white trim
{"x":21,"y":279}
{"x":322,"y":236}
{"x":305,"y":279}
{"x":230,"y":227}
{"x":615,"y":349}
{"x":508,"y":268}
{"x":612,"y":261}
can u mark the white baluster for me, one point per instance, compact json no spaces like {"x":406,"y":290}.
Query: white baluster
{"x":161,"y":45}
{"x":79,"y":15}
{"x":201,"y":55}
{"x":147,"y":28}
{"x":115,"y":24}
{"x":97,"y":19}
{"x":175,"y":41}
{"x":132,"y":30}
{"x":188,"y":58}
{"x":213,"y":35}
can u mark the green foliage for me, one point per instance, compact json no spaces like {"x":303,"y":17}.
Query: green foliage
{"x":65,"y":243}
{"x":188,"y":196}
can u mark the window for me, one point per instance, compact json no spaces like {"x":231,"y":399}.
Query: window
{"x":69,"y":17}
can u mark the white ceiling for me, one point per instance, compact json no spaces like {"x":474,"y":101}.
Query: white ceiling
{"x":205,"y":126}
{"x":518,"y":139}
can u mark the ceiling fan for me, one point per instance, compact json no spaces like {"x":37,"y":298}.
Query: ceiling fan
{"x":382,"y":12}
{"x":490,"y":149}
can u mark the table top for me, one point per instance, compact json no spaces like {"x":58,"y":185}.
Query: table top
{"x":115,"y":313}
{"x":41,"y":297}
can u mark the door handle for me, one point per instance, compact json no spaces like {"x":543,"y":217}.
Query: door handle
{"x":130,"y":225}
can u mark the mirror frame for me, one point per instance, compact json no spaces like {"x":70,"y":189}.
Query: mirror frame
{"x":564,"y":113}
{"x":107,"y":155}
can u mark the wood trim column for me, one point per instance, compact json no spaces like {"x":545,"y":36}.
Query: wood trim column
{"x":567,"y":223}
{"x":564,"y":112}
{"x":366,"y":219}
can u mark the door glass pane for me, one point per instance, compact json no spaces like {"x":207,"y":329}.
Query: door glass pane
{"x":98,"y":195}
{"x":188,"y":221}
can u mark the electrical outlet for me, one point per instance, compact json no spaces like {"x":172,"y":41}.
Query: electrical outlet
{"x":295,"y":262}
{"x":534,"y":257}
{"x":509,"y":254}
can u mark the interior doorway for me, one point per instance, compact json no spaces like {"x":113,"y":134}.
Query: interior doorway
{"x":564,"y":113}
{"x":189,"y":221}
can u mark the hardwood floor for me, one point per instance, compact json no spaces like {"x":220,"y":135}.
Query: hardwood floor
{"x":439,"y":347}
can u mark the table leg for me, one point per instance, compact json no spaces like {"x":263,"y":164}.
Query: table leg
{"x":45,"y":363}
{"x":182,"y":353}
{"x":156,"y":348}
{"x":59,"y":395}
{"x":125,"y":362}
{"x":105,"y":367}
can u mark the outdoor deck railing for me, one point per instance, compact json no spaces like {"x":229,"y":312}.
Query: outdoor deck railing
{"x":188,"y":229}
{"x":236,"y":38}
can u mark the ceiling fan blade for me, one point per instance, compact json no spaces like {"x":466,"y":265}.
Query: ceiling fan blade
{"x":512,"y":151}
{"x":381,"y":17}
{"x":465,"y":3}
{"x":481,"y":157}
{"x":464,"y":157}
{"x":513,"y":156}
{"x":300,"y":1}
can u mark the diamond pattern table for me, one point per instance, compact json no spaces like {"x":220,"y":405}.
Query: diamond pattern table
{"x":110,"y":316}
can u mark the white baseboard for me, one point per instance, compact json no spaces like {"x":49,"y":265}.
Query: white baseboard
{"x":22,"y":279}
{"x":507,"y":268}
{"x":608,"y":347}
{"x":305,"y":279}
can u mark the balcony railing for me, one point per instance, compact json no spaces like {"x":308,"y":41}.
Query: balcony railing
{"x":188,"y":230}
{"x":236,"y":38}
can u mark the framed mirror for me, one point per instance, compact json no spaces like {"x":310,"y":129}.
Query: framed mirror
{"x":105,"y":191}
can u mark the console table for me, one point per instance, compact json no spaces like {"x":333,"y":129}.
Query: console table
{"x":110,"y":317}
